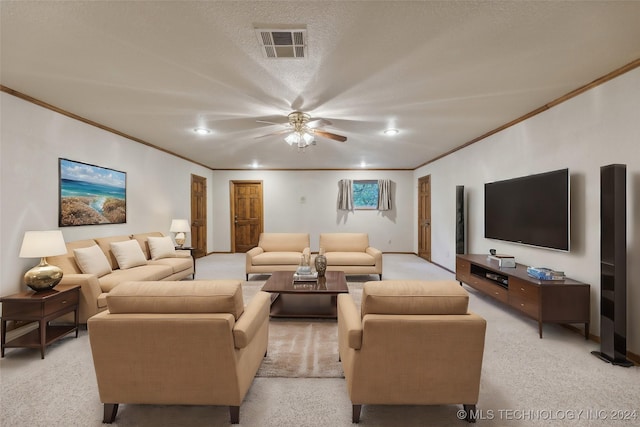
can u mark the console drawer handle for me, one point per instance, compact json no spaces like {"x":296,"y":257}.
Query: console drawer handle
{"x":64,"y":302}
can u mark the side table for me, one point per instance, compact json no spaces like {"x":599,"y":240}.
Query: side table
{"x":41,"y":307}
{"x":193,"y":255}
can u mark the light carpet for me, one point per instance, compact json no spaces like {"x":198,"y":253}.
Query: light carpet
{"x":301,"y":348}
{"x":526,"y":381}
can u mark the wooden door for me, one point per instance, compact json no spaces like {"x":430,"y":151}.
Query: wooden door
{"x":424,"y":217}
{"x":246,"y":214}
{"x":199,"y":215}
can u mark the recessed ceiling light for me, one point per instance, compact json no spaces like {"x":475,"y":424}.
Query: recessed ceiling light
{"x":202,"y":131}
{"x":391,"y":132}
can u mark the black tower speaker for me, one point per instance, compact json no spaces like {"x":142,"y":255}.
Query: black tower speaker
{"x":460,"y":240}
{"x":613,"y":265}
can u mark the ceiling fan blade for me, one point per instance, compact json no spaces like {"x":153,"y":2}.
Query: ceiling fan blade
{"x":314,"y":123}
{"x":271,"y":123}
{"x":330,"y":135}
{"x":280,"y":132}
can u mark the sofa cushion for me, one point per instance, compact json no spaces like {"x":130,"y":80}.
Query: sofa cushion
{"x":144,"y":244}
{"x":161,"y":247}
{"x":105,"y":245}
{"x":284,"y":242}
{"x":92,"y":260}
{"x":67,"y":262}
{"x":277,"y":258}
{"x":144,"y":272}
{"x":128,"y":254}
{"x":414,"y":297}
{"x":344,"y":242}
{"x":211,"y":296}
{"x":349,"y":258}
{"x":177,"y":264}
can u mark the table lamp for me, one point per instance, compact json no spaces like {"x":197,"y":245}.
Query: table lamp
{"x":180,"y":226}
{"x":41,"y":244}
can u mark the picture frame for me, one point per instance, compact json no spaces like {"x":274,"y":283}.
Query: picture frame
{"x":365,"y":194}
{"x":90,"y":194}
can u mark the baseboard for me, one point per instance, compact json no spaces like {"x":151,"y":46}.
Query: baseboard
{"x":635,"y":358}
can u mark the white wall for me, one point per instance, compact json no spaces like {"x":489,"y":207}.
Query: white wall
{"x":597,"y":128}
{"x":594,"y":129}
{"x":32,"y":139}
{"x":306,"y":202}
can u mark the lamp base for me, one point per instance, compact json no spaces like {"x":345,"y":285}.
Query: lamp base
{"x":180,"y":239}
{"x":43,"y":276}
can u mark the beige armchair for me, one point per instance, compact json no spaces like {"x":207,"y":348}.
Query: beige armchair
{"x":182,"y":343}
{"x":351,"y":253}
{"x":277,"y":252}
{"x":412,"y":343}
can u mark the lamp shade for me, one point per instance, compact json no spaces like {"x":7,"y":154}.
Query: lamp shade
{"x":180,"y":226}
{"x":38,"y":244}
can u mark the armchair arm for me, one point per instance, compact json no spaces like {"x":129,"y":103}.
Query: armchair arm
{"x":376,"y":253}
{"x":349,"y":321}
{"x":89,"y":292}
{"x":255,"y":314}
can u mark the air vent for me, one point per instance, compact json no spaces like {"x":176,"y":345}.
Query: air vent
{"x":282,"y":43}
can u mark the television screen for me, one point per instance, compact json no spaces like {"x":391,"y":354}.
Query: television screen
{"x":532,"y":210}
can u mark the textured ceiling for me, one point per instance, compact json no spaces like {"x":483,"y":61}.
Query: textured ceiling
{"x":443,"y":73}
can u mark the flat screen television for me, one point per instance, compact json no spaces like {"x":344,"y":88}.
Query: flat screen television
{"x":532,"y":210}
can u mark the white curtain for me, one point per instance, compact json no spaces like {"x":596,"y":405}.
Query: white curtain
{"x":345,"y":195}
{"x":384,"y":194}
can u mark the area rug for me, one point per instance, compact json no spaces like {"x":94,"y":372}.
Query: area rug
{"x":301,"y":348}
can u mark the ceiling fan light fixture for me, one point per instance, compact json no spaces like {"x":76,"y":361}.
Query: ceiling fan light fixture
{"x":391,"y":132}
{"x":308,"y":138}
{"x":292,"y":138}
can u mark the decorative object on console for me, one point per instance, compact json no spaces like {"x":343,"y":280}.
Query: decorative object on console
{"x":504,"y":261}
{"x":180,"y":227}
{"x":543,"y":273}
{"x":41,"y":244}
{"x":321,"y":263}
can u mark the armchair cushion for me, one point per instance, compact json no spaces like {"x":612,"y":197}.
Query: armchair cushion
{"x":223,"y":296}
{"x":283,"y":242}
{"x":277,"y":258}
{"x":414,"y":297}
{"x":344,"y":242}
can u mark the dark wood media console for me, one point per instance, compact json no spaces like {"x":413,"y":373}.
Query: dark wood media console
{"x":547,"y":301}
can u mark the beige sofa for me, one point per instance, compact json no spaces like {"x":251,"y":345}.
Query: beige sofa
{"x":411,"y":343}
{"x":98,"y":277}
{"x":178,"y":343}
{"x":277,"y":252}
{"x":351,"y":253}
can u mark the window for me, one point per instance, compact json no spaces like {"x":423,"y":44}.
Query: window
{"x":365,"y":194}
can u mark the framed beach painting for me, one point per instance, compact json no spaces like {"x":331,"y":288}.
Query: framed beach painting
{"x":91,"y":194}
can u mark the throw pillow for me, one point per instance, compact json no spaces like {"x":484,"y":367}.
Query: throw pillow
{"x":161,"y":247}
{"x":92,"y":260}
{"x":128,"y":254}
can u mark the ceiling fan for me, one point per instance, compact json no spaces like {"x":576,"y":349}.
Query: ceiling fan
{"x":302,"y":129}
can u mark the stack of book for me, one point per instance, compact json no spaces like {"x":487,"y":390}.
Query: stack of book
{"x":304,"y":274}
{"x":503,"y":260}
{"x":542,"y":273}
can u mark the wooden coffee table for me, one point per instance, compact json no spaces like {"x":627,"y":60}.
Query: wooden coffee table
{"x":305,"y":299}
